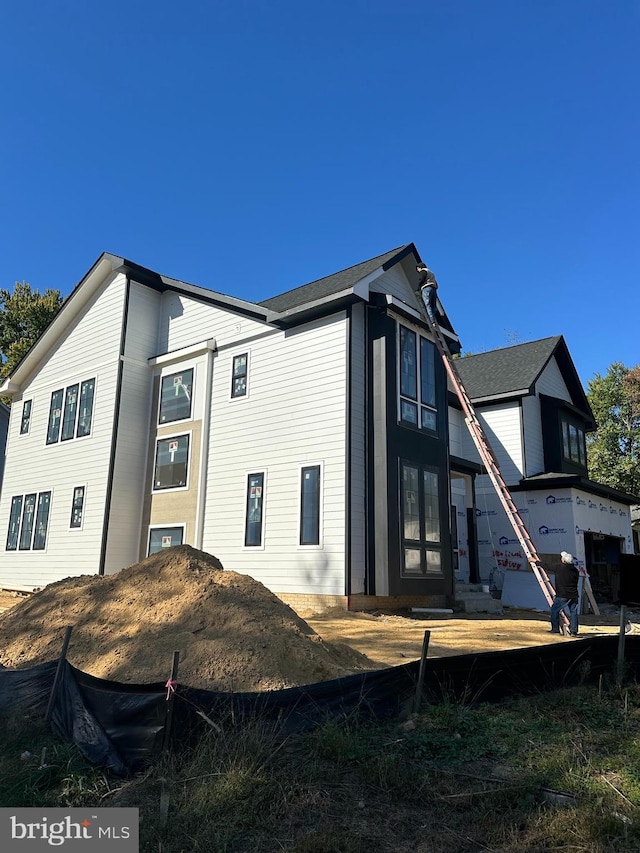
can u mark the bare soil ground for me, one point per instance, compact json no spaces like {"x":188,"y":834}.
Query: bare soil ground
{"x":233,"y":633}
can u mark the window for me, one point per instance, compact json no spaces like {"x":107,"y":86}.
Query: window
{"x":14,"y":523}
{"x":25,"y":422}
{"x":573,"y":444}
{"x":55,"y":415}
{"x":175,"y":397}
{"x":417,"y":381}
{"x":28,"y":522}
{"x":172,"y":456}
{"x":239,"y":375}
{"x":76,"y":420}
{"x":77,"y":508}
{"x":420,"y":521}
{"x":310,"y":505}
{"x":254,"y":511}
{"x":164,"y":537}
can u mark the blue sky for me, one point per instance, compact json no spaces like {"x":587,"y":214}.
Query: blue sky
{"x":253,"y":146}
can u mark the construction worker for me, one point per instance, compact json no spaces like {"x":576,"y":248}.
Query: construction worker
{"x":566,"y":594}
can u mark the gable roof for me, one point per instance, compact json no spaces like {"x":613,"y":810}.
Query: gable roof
{"x":336,"y":282}
{"x":506,"y":371}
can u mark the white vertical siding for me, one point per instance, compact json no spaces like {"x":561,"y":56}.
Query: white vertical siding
{"x":533,"y":445}
{"x":127,"y":500}
{"x":90,"y":348}
{"x":457,"y":428}
{"x":552,"y":383}
{"x":184,"y":321}
{"x":358,"y":450}
{"x":395,"y":282}
{"x":294,"y":414}
{"x":502,"y":427}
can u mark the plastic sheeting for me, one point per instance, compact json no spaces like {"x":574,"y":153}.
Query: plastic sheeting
{"x":122,"y":726}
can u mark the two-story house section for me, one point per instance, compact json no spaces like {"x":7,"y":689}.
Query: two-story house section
{"x":302,"y":440}
{"x":536,"y":416}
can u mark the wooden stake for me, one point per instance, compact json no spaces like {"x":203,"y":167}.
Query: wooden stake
{"x":423,"y":660}
{"x":56,"y":680}
{"x":621,"y":639}
{"x":170,"y":697}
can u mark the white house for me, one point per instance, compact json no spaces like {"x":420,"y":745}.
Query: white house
{"x":302,"y":440}
{"x":536,"y":416}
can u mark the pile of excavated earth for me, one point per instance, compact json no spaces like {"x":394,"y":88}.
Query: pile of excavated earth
{"x":232,"y":633}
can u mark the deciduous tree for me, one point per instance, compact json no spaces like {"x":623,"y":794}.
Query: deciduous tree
{"x":24,"y":315}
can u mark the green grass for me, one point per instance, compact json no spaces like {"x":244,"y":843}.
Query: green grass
{"x":557,"y":771}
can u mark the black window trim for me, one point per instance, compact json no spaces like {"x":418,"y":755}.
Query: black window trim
{"x":318,"y":540}
{"x":245,"y":393}
{"x":423,"y":544}
{"x":75,"y":434}
{"x":80,"y":526}
{"x":417,"y":401}
{"x":178,"y":525}
{"x":21,"y":544}
{"x":173,"y":374}
{"x":161,"y":489}
{"x":26,"y":415}
{"x":256,"y":472}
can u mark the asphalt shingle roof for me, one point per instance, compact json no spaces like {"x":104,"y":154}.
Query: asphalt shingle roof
{"x":330,"y":284}
{"x":506,"y":370}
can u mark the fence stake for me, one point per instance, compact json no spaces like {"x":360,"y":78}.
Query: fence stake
{"x":171,"y":684}
{"x":621,"y":639}
{"x":423,"y":661}
{"x":56,"y":680}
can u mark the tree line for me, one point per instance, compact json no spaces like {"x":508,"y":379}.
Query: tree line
{"x":613,"y":450}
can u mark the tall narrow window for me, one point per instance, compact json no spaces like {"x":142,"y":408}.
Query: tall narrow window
{"x":420,"y":520}
{"x":310,"y":506}
{"x":172,"y":456}
{"x":14,"y":523}
{"x":254,"y":512}
{"x":85,"y":415}
{"x":77,"y":508}
{"x":239,"y":377}
{"x":417,"y":380}
{"x":26,"y":530}
{"x":70,"y":412}
{"x":55,"y":416}
{"x":42,"y":521}
{"x":25,"y":421}
{"x":175,"y":396}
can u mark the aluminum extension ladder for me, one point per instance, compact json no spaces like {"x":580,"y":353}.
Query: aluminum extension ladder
{"x":428,"y":294}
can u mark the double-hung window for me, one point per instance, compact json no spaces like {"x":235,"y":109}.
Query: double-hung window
{"x":71,"y":412}
{"x":28,"y":522}
{"x":254,"y":515}
{"x":25,"y":421}
{"x":175,"y":397}
{"x":239,"y":375}
{"x":310,"y":505}
{"x":172,"y":460}
{"x":417,"y":380}
{"x":420,"y":520}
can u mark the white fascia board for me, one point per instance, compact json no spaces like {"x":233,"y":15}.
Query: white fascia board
{"x":183,"y":353}
{"x":71,"y":308}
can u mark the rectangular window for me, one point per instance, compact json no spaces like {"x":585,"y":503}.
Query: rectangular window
{"x":164,"y":537}
{"x":70,"y":412}
{"x":310,"y":505}
{"x":420,"y":520}
{"x":172,"y":456}
{"x":417,"y":380}
{"x":239,"y":376}
{"x":55,"y":416}
{"x":77,"y":508}
{"x":254,"y":511}
{"x":573,"y":444}
{"x":25,"y":422}
{"x":42,"y":521}
{"x":87,"y":390}
{"x":14,"y":523}
{"x":26,"y":531}
{"x":175,"y":397}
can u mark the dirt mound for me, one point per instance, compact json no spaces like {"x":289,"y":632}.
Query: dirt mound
{"x":231,"y":631}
